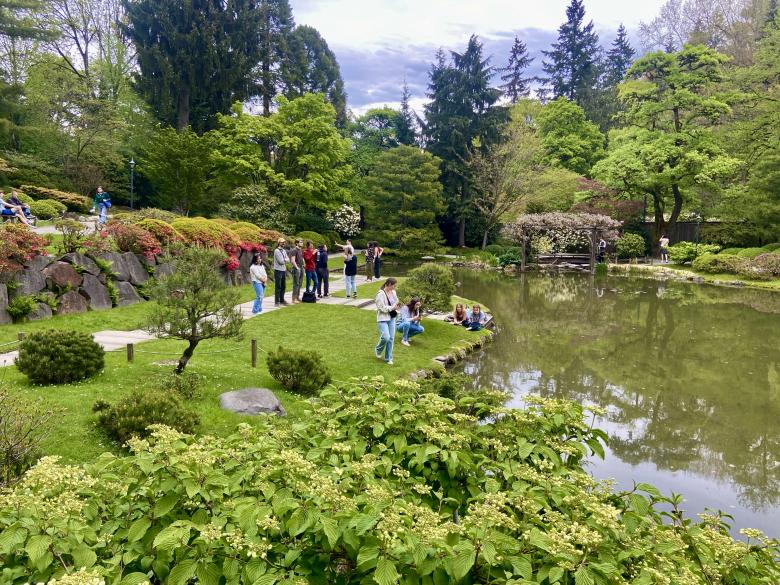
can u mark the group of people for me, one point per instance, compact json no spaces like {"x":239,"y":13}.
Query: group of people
{"x":473,"y":319}
{"x":12,"y":206}
{"x":393,"y":316}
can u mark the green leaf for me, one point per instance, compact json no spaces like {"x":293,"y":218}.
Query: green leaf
{"x":37,"y":546}
{"x":489,"y":552}
{"x":540,"y":540}
{"x":134,"y":579}
{"x":11,"y":538}
{"x":182,"y":572}
{"x":649,"y":488}
{"x":378,"y":429}
{"x":208,"y":574}
{"x":555,"y":574}
{"x":583,"y":576}
{"x":165,"y":504}
{"x":463,"y":561}
{"x":83,"y":556}
{"x":524,"y":449}
{"x":254,"y":569}
{"x":522,"y":567}
{"x":331,"y":529}
{"x":367,"y":556}
{"x":596,"y":446}
{"x":138,"y":529}
{"x":385,"y":573}
{"x":170,"y":537}
{"x":267,"y":579}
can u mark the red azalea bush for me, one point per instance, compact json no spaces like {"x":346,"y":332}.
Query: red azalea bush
{"x":131,"y":238}
{"x":270,"y":237}
{"x":207,"y":233}
{"x":231,"y":263}
{"x":250,"y":235}
{"x":163,"y":231}
{"x":19,"y":244}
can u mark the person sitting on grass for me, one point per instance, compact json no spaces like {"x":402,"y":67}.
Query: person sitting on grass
{"x":13,"y":210}
{"x":477,"y":318}
{"x":460,"y":316}
{"x":409,"y":320}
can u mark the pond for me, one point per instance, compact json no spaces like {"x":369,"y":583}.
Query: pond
{"x":688,"y":376}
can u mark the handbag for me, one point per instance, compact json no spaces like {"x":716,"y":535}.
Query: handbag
{"x":393,"y":313}
{"x":309,"y":297}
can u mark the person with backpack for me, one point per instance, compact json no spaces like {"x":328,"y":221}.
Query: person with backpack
{"x":101,"y":204}
{"x":350,"y":271}
{"x":387,"y":306}
{"x":296,"y":259}
{"x":323,"y":276}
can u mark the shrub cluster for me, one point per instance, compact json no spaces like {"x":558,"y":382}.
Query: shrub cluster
{"x":375,"y":483}
{"x":59,"y":357}
{"x":187,"y":385}
{"x":302,"y":372}
{"x":207,"y":233}
{"x":21,"y":306}
{"x":630,"y":245}
{"x":684,"y":252}
{"x":46,"y":208}
{"x":314,"y":238}
{"x":133,"y":238}
{"x":432,"y":283}
{"x":763,"y":267}
{"x":134,"y":414}
{"x":73,"y":201}
{"x":18,"y":244}
{"x":165,"y":233}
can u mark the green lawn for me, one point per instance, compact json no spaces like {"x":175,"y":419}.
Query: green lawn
{"x":344,"y":335}
{"x":773,"y":284}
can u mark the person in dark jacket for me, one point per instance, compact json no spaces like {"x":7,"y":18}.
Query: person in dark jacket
{"x":350,"y":270}
{"x":322,"y":271}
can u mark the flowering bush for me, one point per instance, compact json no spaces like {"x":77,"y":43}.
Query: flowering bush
{"x":345,"y":220}
{"x":250,"y":235}
{"x":98,"y":243}
{"x":374,"y":483}
{"x":768,"y":264}
{"x":566,"y":231}
{"x":207,"y":233}
{"x":231,"y":263}
{"x":135,"y":239}
{"x":165,"y":233}
{"x":18,"y":244}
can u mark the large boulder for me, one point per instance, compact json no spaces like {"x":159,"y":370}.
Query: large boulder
{"x":5,"y":318}
{"x":38,"y":263}
{"x":137,"y":274}
{"x":95,"y":292}
{"x":42,"y":312}
{"x":72,"y":302}
{"x":62,"y":275}
{"x":245,"y":261}
{"x":117,"y":264}
{"x":127,"y":294}
{"x":252,"y":401}
{"x":27,"y":282}
{"x":78,"y":259}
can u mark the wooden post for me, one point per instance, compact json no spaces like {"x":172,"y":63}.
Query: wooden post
{"x":593,"y":251}
{"x":130,"y":352}
{"x":522,"y":253}
{"x":254,"y":353}
{"x":20,"y":336}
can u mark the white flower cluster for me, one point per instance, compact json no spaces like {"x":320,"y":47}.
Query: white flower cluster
{"x":345,"y":220}
{"x":81,"y":577}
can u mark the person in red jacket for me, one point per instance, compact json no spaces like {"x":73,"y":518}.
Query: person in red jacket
{"x":310,"y":265}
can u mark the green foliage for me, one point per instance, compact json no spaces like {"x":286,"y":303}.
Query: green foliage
{"x":719,"y":263}
{"x":73,"y":233}
{"x":113,"y":291}
{"x":133,"y":415}
{"x":602,"y":269}
{"x":630,"y":245}
{"x":432,"y":283}
{"x":312,"y":237}
{"x":21,"y":306}
{"x":569,"y":139}
{"x":59,"y":357}
{"x":512,"y":256}
{"x":302,"y":372}
{"x":254,"y":204}
{"x":771,"y":247}
{"x":164,"y":232}
{"x":186,"y":385}
{"x":73,"y":201}
{"x":207,"y":233}
{"x":391,"y":480}
{"x":684,"y":252}
{"x":750,"y":252}
{"x":43,"y":210}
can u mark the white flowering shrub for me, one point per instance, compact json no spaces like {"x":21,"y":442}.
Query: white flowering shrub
{"x":376,"y":483}
{"x":561,"y":232}
{"x":345,"y":220}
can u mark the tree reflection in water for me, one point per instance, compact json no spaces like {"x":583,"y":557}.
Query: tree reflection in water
{"x":688,"y":374}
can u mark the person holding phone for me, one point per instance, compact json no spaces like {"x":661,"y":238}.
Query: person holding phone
{"x":387,"y":306}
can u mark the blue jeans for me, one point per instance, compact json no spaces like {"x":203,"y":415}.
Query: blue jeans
{"x":386,"y":339}
{"x":409,"y":329}
{"x":350,"y":284}
{"x":102,"y":212}
{"x":259,"y":294}
{"x":311,"y":276}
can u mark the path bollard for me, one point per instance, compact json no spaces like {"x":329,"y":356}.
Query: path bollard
{"x":130,"y":352}
{"x":254,"y":353}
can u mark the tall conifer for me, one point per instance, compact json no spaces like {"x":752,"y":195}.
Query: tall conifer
{"x":619,"y":58}
{"x":517,"y":86}
{"x":405,"y":131}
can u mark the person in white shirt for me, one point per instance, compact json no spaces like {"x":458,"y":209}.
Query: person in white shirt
{"x":387,"y":306}
{"x":15,"y":210}
{"x":259,"y":279}
{"x":663,"y":243}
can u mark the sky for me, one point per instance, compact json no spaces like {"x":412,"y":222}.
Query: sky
{"x":378,"y":43}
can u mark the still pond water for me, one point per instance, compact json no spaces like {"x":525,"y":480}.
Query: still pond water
{"x":689,"y":376}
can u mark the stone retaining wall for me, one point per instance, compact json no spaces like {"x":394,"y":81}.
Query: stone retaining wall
{"x":456,"y":355}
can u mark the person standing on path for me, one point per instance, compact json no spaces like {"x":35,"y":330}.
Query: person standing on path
{"x":350,"y":271}
{"x":259,"y":279}
{"x":663,"y":243}
{"x":310,"y":264}
{"x":370,"y":262}
{"x":409,"y":320}
{"x":378,"y":251}
{"x":602,"y":250}
{"x":280,"y":272}
{"x":296,"y":259}
{"x":387,"y":306}
{"x":101,"y":203}
{"x":323,"y":276}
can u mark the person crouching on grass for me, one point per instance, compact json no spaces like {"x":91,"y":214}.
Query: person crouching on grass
{"x":409,"y":320}
{"x":387,"y":306}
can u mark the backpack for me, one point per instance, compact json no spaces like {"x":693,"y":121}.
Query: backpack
{"x":309,"y":297}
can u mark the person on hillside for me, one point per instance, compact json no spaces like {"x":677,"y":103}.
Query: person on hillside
{"x":296,"y":259}
{"x":280,"y":272}
{"x":350,"y":271}
{"x":101,"y":204}
{"x":409,"y":320}
{"x":460,"y":316}
{"x":6,"y":208}
{"x":310,"y":265}
{"x":323,"y":276}
{"x":663,"y":243}
{"x":378,"y":251}
{"x":477,"y":318}
{"x":369,"y":262}
{"x":602,"y":250}
{"x":387,"y":306}
{"x":259,"y":279}
{"x":14,"y":200}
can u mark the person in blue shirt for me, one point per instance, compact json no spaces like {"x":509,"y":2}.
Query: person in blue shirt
{"x":409,"y":320}
{"x":477,"y":318}
{"x":323,"y":275}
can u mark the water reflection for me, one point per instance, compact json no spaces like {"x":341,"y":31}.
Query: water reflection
{"x":689,"y":377}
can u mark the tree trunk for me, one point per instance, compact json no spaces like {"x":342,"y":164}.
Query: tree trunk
{"x":485,"y":238}
{"x":183,"y":109}
{"x":186,"y":356}
{"x":462,"y":233}
{"x":658,"y":212}
{"x":677,"y":207}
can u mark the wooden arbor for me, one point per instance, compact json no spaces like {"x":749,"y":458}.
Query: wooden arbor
{"x":565,"y":229}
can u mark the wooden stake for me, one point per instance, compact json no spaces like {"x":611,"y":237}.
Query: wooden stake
{"x":254,"y":353}
{"x":130,"y":352}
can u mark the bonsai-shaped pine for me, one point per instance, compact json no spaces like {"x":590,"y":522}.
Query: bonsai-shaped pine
{"x":194,"y":303}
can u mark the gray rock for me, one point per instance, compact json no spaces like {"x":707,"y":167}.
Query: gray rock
{"x":164,"y":269}
{"x":39,"y":263}
{"x":252,"y":401}
{"x":28,"y":282}
{"x":5,"y":318}
{"x":137,"y":274}
{"x":42,"y":312}
{"x":95,"y":292}
{"x":127,"y":294}
{"x":117,"y":264}
{"x":62,"y":275}
{"x":245,"y":261}
{"x":146,"y":261}
{"x":72,"y":302}
{"x":79,"y":259}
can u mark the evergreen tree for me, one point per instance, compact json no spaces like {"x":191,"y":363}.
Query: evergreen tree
{"x":771,"y":16}
{"x":572,"y":63}
{"x":516,"y":86}
{"x":275,"y":29}
{"x":619,"y":58}
{"x":194,"y":57}
{"x":405,"y":131}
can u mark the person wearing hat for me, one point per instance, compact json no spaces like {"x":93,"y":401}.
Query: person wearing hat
{"x":280,"y":272}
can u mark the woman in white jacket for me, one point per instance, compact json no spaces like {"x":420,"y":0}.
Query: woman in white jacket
{"x":387,"y":306}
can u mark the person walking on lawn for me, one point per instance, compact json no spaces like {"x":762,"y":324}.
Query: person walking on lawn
{"x":296,"y":259}
{"x":101,"y":203}
{"x":259,"y":279}
{"x":350,"y":271}
{"x":387,"y":306}
{"x":310,"y":264}
{"x":409,"y":320}
{"x":280,"y":272}
{"x":323,"y":276}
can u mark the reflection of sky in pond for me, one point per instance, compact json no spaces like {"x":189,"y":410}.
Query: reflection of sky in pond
{"x":688,"y":377}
